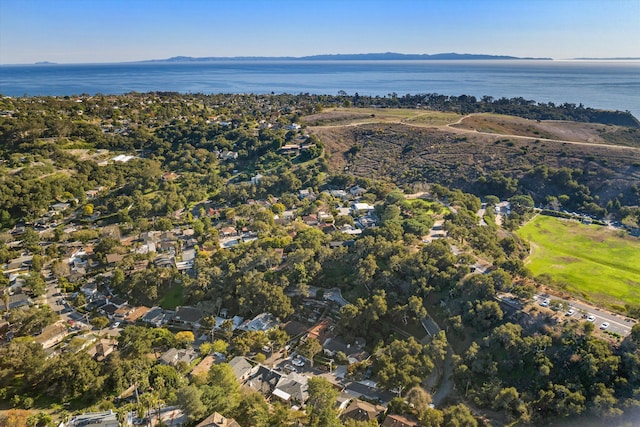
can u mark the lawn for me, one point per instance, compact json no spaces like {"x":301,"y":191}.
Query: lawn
{"x":172,"y":298}
{"x":591,"y":260}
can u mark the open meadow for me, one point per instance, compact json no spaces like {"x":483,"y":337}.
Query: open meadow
{"x":593,"y":261}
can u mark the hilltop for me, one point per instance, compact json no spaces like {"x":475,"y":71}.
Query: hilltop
{"x":485,"y":153}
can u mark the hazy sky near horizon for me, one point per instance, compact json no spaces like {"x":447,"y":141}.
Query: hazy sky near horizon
{"x":77,"y":31}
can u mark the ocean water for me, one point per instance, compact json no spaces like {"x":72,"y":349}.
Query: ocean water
{"x":613,"y":85}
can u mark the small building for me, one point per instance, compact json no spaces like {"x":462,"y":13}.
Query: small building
{"x":170,"y":176}
{"x":217,"y":420}
{"x":156,"y":316}
{"x":362,"y":208}
{"x":357,"y":191}
{"x":307,"y":194}
{"x":204,"y":366}
{"x":101,"y":349}
{"x":241,"y":368}
{"x":187,"y":316}
{"x":255,"y":180}
{"x":173,"y":356}
{"x":228,"y":231}
{"x":359,"y":410}
{"x":292,"y":388}
{"x":95,"y":419}
{"x":114,"y":259}
{"x":52,"y":335}
{"x":136,"y":314}
{"x":395,"y":420}
{"x":118,"y":302}
{"x":262,"y":322}
{"x":15,"y":301}
{"x":264,"y":381}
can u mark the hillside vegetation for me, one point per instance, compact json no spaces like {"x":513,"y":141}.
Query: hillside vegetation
{"x":488,"y":157}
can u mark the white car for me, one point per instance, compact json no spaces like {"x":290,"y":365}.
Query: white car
{"x":545,"y":302}
{"x":298,"y":362}
{"x":591,"y":318}
{"x":571,"y":312}
{"x":604,"y":326}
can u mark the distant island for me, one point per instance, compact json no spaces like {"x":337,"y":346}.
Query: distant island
{"x":387,"y":56}
{"x":45,"y":63}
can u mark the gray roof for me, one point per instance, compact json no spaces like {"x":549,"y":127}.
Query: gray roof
{"x":240,"y":366}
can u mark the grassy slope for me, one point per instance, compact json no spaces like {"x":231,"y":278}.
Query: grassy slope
{"x":590,"y":259}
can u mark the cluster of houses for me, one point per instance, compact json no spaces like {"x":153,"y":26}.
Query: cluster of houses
{"x":362,"y":213}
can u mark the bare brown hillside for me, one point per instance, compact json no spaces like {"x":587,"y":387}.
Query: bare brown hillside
{"x":550,"y":129}
{"x":408,"y":153}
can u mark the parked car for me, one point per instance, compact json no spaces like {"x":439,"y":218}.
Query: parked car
{"x":604,"y":326}
{"x":571,"y":312}
{"x":591,"y":318}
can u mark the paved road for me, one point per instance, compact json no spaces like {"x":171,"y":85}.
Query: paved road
{"x":617,"y":323}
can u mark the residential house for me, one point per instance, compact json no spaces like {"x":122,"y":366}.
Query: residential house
{"x":255,"y":180}
{"x":118,"y":302}
{"x":321,"y":331}
{"x":89,"y":289}
{"x":229,"y":155}
{"x":123,"y":311}
{"x":187,"y":317}
{"x":262,"y":322}
{"x":340,"y":194}
{"x":95,"y":419}
{"x":15,"y":301}
{"x":289,"y":149}
{"x":173,"y":356}
{"x":156,"y":316}
{"x":114,"y":259}
{"x":310,"y":220}
{"x":109,"y":310}
{"x":362,"y":208}
{"x":357,"y":191}
{"x":228,"y":231}
{"x":264,"y":381}
{"x":169,"y":176}
{"x":359,"y":410}
{"x":355,"y":352}
{"x":101,"y":349}
{"x":52,"y":335}
{"x":395,"y":420}
{"x":136,"y":314}
{"x":241,"y":368}
{"x":59,"y":207}
{"x":292,"y":388}
{"x":204,"y":366}
{"x":164,"y":261}
{"x":306,"y":194}
{"x":217,"y":420}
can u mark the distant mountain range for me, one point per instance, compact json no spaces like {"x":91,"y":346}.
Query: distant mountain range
{"x":388,"y":56}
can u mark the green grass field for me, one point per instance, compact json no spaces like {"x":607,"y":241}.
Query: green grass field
{"x":172,"y":298}
{"x":591,"y":260}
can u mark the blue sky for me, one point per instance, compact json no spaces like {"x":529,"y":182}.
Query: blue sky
{"x":69,"y":31}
